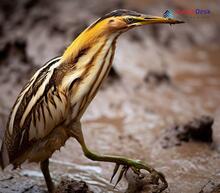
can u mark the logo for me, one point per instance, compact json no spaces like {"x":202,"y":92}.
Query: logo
{"x":168,"y":14}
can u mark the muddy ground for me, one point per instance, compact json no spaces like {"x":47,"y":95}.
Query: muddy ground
{"x":135,"y":111}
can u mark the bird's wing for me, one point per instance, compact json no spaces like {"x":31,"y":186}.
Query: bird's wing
{"x":40,"y":107}
{"x":47,"y":113}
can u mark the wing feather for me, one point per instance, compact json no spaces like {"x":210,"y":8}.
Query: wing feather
{"x":50,"y":114}
{"x":40,"y":107}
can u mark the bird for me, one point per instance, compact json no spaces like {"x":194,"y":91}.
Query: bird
{"x":50,"y":106}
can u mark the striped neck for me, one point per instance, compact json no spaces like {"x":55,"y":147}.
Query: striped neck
{"x":84,"y":85}
{"x":87,"y":39}
{"x":88,"y":60}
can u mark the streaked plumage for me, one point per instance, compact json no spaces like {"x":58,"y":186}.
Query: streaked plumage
{"x":50,"y":98}
{"x":49,"y":108}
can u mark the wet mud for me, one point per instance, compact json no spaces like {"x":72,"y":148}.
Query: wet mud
{"x":130,"y":115}
{"x":199,"y":129}
{"x":68,"y":185}
{"x":211,"y":187}
{"x":157,"y":77}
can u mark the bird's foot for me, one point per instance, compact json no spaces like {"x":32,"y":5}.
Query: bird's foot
{"x":137,"y":166}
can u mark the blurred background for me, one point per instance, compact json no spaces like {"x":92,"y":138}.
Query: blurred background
{"x":163,"y":78}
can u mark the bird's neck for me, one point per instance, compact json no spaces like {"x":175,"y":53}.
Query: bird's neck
{"x":88,"y":39}
{"x":88,"y":53}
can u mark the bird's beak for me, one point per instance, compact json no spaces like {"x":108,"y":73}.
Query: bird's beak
{"x":146,"y":19}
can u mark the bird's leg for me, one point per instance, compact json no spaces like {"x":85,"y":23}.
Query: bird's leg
{"x":135,"y":165}
{"x":44,"y":165}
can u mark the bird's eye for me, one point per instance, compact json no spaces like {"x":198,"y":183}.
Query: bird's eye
{"x":129,"y":20}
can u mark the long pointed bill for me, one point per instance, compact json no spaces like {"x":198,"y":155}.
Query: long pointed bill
{"x":145,"y":19}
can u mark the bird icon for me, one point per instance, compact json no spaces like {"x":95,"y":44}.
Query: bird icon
{"x":168,"y":14}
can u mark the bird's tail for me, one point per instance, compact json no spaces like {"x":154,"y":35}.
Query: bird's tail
{"x":1,"y":159}
{"x":4,"y":159}
{"x":1,"y":164}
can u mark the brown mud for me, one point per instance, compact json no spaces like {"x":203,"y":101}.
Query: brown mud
{"x":199,"y":129}
{"x":130,"y":115}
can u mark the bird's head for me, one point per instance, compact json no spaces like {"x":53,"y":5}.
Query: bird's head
{"x":115,"y":22}
{"x":121,"y":20}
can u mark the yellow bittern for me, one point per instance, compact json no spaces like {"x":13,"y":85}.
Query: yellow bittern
{"x":49,"y":108}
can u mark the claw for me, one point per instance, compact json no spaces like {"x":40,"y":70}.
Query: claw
{"x":136,"y":171}
{"x":125,"y":173}
{"x":123,"y":170}
{"x":163,"y":179}
{"x":136,"y":166}
{"x":155,"y":177}
{"x":160,"y":176}
{"x":114,"y":172}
